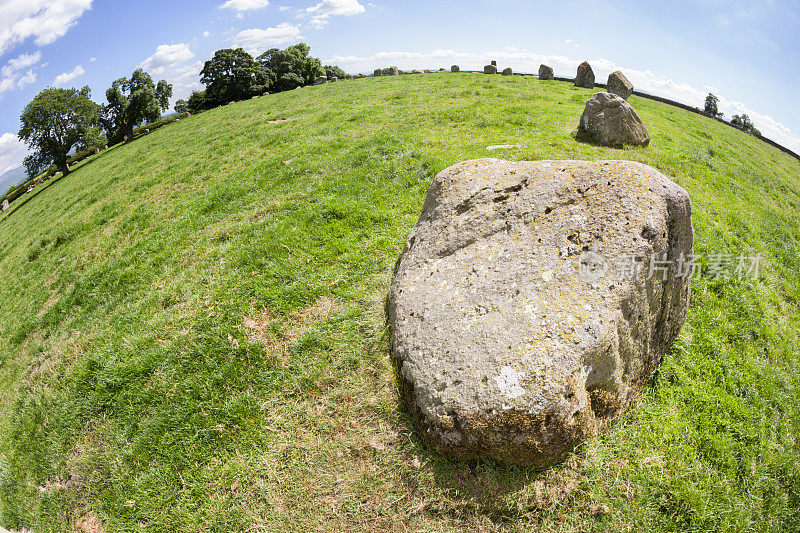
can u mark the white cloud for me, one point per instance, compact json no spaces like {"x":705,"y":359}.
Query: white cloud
{"x":92,"y":59}
{"x":12,"y":152}
{"x":524,"y":61}
{"x":206,"y":34}
{"x":27,"y":79}
{"x":43,"y":20}
{"x":244,"y":5}
{"x":166,"y":58}
{"x":21,"y":62}
{"x":325,"y":9}
{"x":12,"y":75}
{"x":284,"y":8}
{"x":66,"y":77}
{"x":257,"y":41}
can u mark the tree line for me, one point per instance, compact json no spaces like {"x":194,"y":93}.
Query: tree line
{"x":59,"y":122}
{"x":742,"y":122}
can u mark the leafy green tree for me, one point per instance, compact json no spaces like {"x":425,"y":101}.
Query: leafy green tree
{"x":293,"y":60}
{"x":711,"y":105}
{"x":135,"y":100}
{"x":181,"y":106}
{"x":332,"y":71}
{"x":289,"y":81}
{"x":196,"y":102}
{"x":55,"y":122}
{"x":743,"y":122}
{"x":233,"y":75}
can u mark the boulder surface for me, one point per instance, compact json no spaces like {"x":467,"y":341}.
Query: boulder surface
{"x":490,"y":69}
{"x":618,"y":84}
{"x":508,"y":71}
{"x":545,"y":72}
{"x":585,"y":76}
{"x":518,"y":328}
{"x":612,"y":121}
{"x":455,"y":68}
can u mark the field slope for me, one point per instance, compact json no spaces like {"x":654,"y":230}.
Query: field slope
{"x":192,"y":334}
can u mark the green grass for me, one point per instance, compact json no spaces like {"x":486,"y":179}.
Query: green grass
{"x":192,"y":333}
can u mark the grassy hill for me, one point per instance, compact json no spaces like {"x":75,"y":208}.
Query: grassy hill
{"x":192,"y":332}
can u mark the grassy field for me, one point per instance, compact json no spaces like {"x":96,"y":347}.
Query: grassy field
{"x":192,"y":333}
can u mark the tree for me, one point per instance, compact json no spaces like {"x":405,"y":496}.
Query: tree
{"x":288,"y":82}
{"x":55,"y":122}
{"x":135,"y":100}
{"x":181,"y":106}
{"x":197,"y":102}
{"x":233,"y":75}
{"x":744,"y":122}
{"x":293,"y":60}
{"x":711,"y":105}
{"x":332,"y":71}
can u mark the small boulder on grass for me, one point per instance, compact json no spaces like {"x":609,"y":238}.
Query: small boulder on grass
{"x":507,"y":71}
{"x":612,"y":121}
{"x":455,"y":68}
{"x":618,"y":84}
{"x":545,"y":72}
{"x":490,"y":69}
{"x":585,"y":76}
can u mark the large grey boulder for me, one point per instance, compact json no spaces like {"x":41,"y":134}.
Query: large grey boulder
{"x":490,"y":69}
{"x":508,"y":71}
{"x":545,"y":72}
{"x":618,"y":84}
{"x":612,"y":121}
{"x":585,"y":76}
{"x":378,"y":72}
{"x":394,"y":71}
{"x":522,"y":321}
{"x":455,"y":68}
{"x":320,"y":80}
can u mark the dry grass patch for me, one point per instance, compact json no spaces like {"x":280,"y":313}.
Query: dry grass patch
{"x":277,"y":335}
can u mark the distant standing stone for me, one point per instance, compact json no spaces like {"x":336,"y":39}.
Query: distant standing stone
{"x":320,"y":80}
{"x":378,"y":72}
{"x":618,"y":84}
{"x":96,"y":151}
{"x":427,"y":71}
{"x":5,"y":205}
{"x":612,"y":121}
{"x":264,"y":94}
{"x":490,"y":69}
{"x":494,"y":63}
{"x":545,"y":72}
{"x":507,"y":71}
{"x":455,"y":68}
{"x":585,"y":76}
{"x":394,"y":71}
{"x":334,"y":79}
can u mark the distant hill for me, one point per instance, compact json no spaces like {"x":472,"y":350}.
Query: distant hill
{"x":12,"y":178}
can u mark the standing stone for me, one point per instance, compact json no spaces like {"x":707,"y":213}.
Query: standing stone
{"x":455,"y":68}
{"x":320,"y":80}
{"x":490,"y":69}
{"x":105,"y":147}
{"x":333,"y":79}
{"x":96,"y":151}
{"x":378,"y":72}
{"x":618,"y":84}
{"x":5,"y":205}
{"x":264,"y":94}
{"x":394,"y":71}
{"x":585,"y":76}
{"x":612,"y":121}
{"x":507,"y":71}
{"x":545,"y":72}
{"x":518,"y":329}
{"x":494,"y":63}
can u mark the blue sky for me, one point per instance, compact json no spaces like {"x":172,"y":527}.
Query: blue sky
{"x":748,"y":53}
